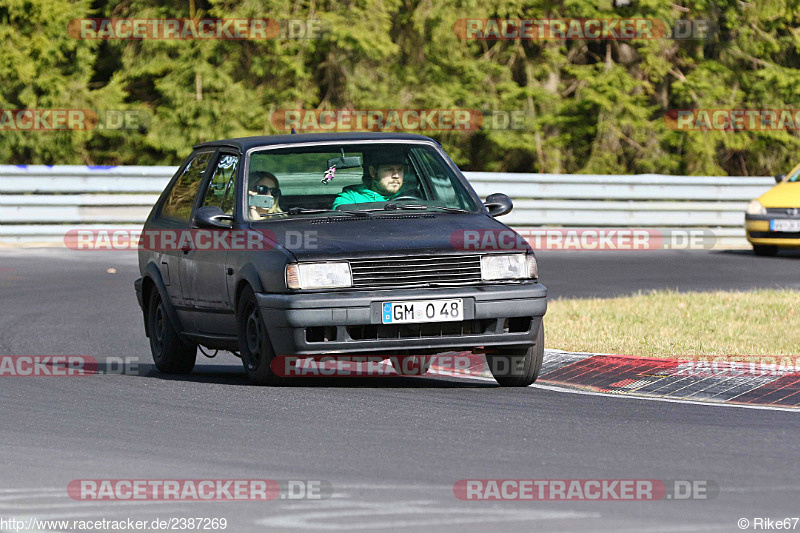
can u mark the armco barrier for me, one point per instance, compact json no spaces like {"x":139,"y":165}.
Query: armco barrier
{"x":41,"y":203}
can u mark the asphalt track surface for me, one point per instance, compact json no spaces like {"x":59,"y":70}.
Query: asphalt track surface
{"x":391,"y":448}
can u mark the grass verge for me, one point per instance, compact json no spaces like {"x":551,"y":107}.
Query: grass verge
{"x":671,"y":324}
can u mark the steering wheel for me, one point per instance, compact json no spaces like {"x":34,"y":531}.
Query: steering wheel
{"x":405,"y":197}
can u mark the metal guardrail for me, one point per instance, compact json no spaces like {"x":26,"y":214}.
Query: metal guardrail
{"x":41,"y":203}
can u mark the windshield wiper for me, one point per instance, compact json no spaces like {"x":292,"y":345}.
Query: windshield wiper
{"x":304,"y":211}
{"x":391,"y":206}
{"x":308,"y":211}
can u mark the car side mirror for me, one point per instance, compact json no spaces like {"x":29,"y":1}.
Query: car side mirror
{"x":212,"y":217}
{"x":498,"y":204}
{"x":779,"y":178}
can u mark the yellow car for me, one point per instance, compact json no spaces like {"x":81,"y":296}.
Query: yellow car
{"x":772,"y":220}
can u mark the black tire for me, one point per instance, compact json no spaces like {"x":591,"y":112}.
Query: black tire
{"x":518,"y":366}
{"x":170,"y":353}
{"x":765,"y":251}
{"x":254,"y":344}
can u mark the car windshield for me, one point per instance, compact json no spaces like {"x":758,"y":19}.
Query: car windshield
{"x":345,"y":178}
{"x":795,"y":174}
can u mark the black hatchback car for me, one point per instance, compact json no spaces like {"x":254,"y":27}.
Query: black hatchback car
{"x":368,"y":243}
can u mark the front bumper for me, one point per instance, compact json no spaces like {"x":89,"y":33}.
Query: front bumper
{"x":758,"y":233}
{"x":350,"y":321}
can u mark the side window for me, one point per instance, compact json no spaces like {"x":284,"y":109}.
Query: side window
{"x":180,"y":201}
{"x":221,"y":190}
{"x":439,"y":181}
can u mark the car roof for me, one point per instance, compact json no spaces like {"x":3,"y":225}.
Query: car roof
{"x":245,"y":143}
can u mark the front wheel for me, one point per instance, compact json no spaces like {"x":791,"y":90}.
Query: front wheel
{"x":518,"y":366}
{"x":255,"y":347}
{"x":170,"y":354}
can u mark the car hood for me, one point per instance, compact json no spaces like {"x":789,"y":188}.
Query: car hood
{"x":404,"y":233}
{"x":786,"y":194}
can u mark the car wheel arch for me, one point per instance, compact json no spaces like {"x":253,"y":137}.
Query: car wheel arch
{"x":148,"y":286}
{"x":243,"y":283}
{"x":151,"y":275}
{"x":248,"y":276}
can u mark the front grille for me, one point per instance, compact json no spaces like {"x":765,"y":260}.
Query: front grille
{"x":419,"y":331}
{"x":416,"y":271}
{"x":775,"y":235}
{"x":784,"y":212}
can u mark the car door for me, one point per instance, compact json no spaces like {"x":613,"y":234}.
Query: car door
{"x":172,"y":218}
{"x":203,"y":267}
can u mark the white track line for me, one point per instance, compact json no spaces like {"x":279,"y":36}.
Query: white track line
{"x":409,"y":513}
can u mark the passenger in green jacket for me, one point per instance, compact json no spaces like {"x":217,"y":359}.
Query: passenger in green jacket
{"x":386,"y":173}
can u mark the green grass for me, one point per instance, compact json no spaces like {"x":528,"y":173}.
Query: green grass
{"x":671,"y":324}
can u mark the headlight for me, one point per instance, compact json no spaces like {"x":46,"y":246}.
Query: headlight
{"x":516,"y":266}
{"x":755,"y":208}
{"x":318,"y":275}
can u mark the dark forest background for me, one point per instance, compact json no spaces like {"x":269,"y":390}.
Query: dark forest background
{"x":590,"y":106}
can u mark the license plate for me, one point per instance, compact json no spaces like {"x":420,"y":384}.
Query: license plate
{"x":422,"y":311}
{"x":784,"y":225}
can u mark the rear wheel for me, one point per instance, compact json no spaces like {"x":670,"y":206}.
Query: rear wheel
{"x":170,"y":354}
{"x":762,"y":250}
{"x":518,"y":366}
{"x":254,"y":344}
